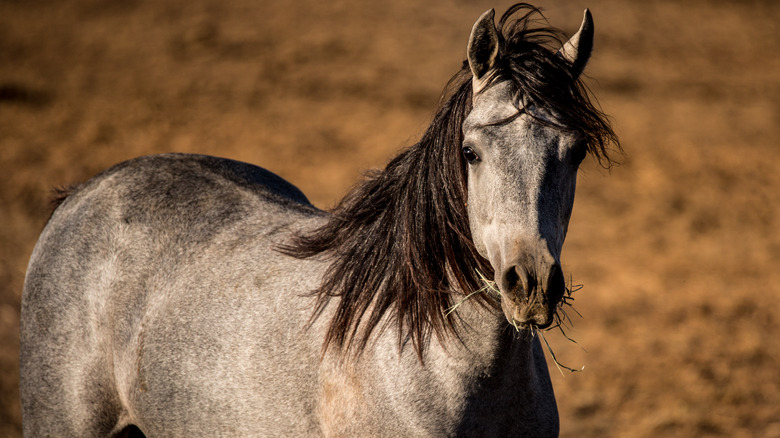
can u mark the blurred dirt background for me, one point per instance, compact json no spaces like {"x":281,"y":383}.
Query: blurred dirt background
{"x":677,"y":248}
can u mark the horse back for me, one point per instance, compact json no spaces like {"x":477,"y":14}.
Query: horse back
{"x":126,"y":261}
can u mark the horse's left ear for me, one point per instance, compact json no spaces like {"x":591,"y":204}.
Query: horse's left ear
{"x":577,"y":50}
{"x":483,"y":49}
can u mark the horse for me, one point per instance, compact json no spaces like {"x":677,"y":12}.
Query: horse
{"x":180,"y":295}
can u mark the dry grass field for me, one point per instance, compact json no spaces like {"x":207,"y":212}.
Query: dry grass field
{"x":677,"y":248}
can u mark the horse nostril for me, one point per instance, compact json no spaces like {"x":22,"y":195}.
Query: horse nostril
{"x":556,"y":285}
{"x":512,"y":279}
{"x":519,"y":282}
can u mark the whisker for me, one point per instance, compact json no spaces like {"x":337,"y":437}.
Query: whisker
{"x":561,"y":319}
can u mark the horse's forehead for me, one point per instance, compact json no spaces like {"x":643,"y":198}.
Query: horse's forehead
{"x":498,"y":106}
{"x":497,"y":115}
{"x":492,"y":105}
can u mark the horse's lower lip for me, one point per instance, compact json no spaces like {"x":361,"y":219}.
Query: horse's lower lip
{"x":543,"y":326}
{"x":527,"y":324}
{"x":526,"y":316}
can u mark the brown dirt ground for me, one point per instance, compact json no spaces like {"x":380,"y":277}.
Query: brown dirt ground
{"x":676,"y":248}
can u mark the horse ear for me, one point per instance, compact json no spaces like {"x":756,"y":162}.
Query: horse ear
{"x":577,"y":50}
{"x":483,"y":49}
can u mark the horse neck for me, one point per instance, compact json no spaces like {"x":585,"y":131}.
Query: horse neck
{"x":485,"y":339}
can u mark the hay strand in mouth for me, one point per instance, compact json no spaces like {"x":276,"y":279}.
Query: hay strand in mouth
{"x":559,"y":365}
{"x":488,"y":286}
{"x":561,"y":318}
{"x":456,"y":305}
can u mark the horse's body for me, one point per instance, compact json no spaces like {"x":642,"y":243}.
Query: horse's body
{"x":205,"y":330}
{"x":172,"y":295}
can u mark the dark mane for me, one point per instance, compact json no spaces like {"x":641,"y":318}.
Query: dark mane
{"x":399,"y":242}
{"x":530,"y":64}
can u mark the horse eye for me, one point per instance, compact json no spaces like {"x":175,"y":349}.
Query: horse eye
{"x":470,"y":155}
{"x":578,"y":154}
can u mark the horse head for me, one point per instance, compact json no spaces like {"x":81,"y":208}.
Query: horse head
{"x":522,"y":157}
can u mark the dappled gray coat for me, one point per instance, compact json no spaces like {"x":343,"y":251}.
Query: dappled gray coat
{"x":181,"y":295}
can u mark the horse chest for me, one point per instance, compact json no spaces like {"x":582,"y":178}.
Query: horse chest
{"x":448,"y":396}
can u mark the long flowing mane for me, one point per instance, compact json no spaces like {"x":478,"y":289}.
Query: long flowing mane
{"x":399,"y":243}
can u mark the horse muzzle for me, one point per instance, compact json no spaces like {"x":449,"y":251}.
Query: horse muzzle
{"x":530,"y":294}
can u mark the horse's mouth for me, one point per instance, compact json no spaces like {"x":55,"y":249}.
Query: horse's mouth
{"x":536,"y":314}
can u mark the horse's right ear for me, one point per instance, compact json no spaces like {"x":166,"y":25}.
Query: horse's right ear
{"x":483,"y":50}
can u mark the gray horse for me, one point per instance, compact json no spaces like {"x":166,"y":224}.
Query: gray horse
{"x":187,"y":295}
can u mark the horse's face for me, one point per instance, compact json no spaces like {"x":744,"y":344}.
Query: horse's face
{"x":520,"y":196}
{"x":522,"y":174}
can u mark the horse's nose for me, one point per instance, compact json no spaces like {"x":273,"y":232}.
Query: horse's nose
{"x":533,"y":292}
{"x":525,"y":283}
